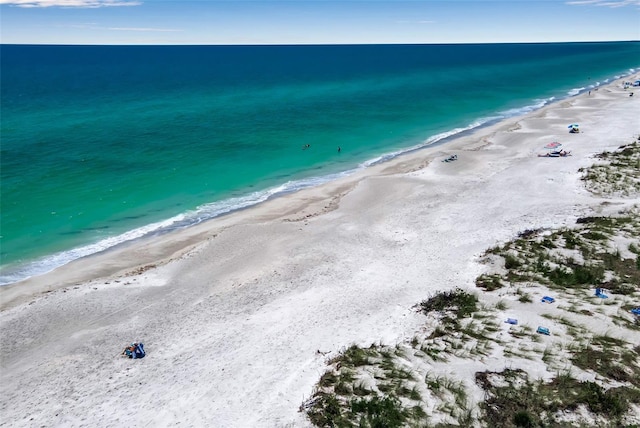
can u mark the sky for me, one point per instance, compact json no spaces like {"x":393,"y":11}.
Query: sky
{"x":232,"y":22}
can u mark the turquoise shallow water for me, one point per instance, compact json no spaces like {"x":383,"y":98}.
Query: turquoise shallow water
{"x":103,"y":144}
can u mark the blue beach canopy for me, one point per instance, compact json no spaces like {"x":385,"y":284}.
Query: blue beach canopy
{"x":573,"y":125}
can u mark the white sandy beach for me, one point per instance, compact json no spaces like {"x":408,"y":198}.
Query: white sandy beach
{"x":239,"y":315}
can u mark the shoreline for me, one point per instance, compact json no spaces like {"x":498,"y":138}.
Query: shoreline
{"x":266,"y":195}
{"x":233,"y":310}
{"x":173,"y":251}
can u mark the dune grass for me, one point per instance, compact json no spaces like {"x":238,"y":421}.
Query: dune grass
{"x":521,"y":402}
{"x":397,"y":386}
{"x":616,"y":173}
{"x":584,"y":257}
{"x":611,"y":358}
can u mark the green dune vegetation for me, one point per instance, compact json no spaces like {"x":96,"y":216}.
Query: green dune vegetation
{"x":469,"y":368}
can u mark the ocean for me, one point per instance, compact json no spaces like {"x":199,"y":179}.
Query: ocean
{"x":101,"y":145}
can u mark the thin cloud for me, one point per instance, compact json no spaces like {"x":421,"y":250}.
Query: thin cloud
{"x":94,"y":26}
{"x":416,"y":22}
{"x":71,"y":3}
{"x":159,"y":30}
{"x":605,"y":3}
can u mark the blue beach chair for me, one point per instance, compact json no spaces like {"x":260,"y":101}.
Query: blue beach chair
{"x":635,"y":311}
{"x":547,"y":299}
{"x":543,"y":330}
{"x":600,"y":294}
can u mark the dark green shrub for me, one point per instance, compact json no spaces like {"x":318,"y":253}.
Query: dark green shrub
{"x":522,"y":418}
{"x":355,"y":356}
{"x":378,"y":412}
{"x":595,"y":236}
{"x":327,"y":379}
{"x":600,"y":401}
{"x":464,"y":303}
{"x":580,"y":275}
{"x":489,"y":282}
{"x":326,"y":412}
{"x":511,"y":262}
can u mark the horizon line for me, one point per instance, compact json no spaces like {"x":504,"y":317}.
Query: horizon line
{"x":317,"y":44}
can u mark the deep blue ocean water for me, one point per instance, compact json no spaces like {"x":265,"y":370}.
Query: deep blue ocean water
{"x":104,"y":144}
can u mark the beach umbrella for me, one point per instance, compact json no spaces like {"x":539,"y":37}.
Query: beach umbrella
{"x":573,"y":125}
